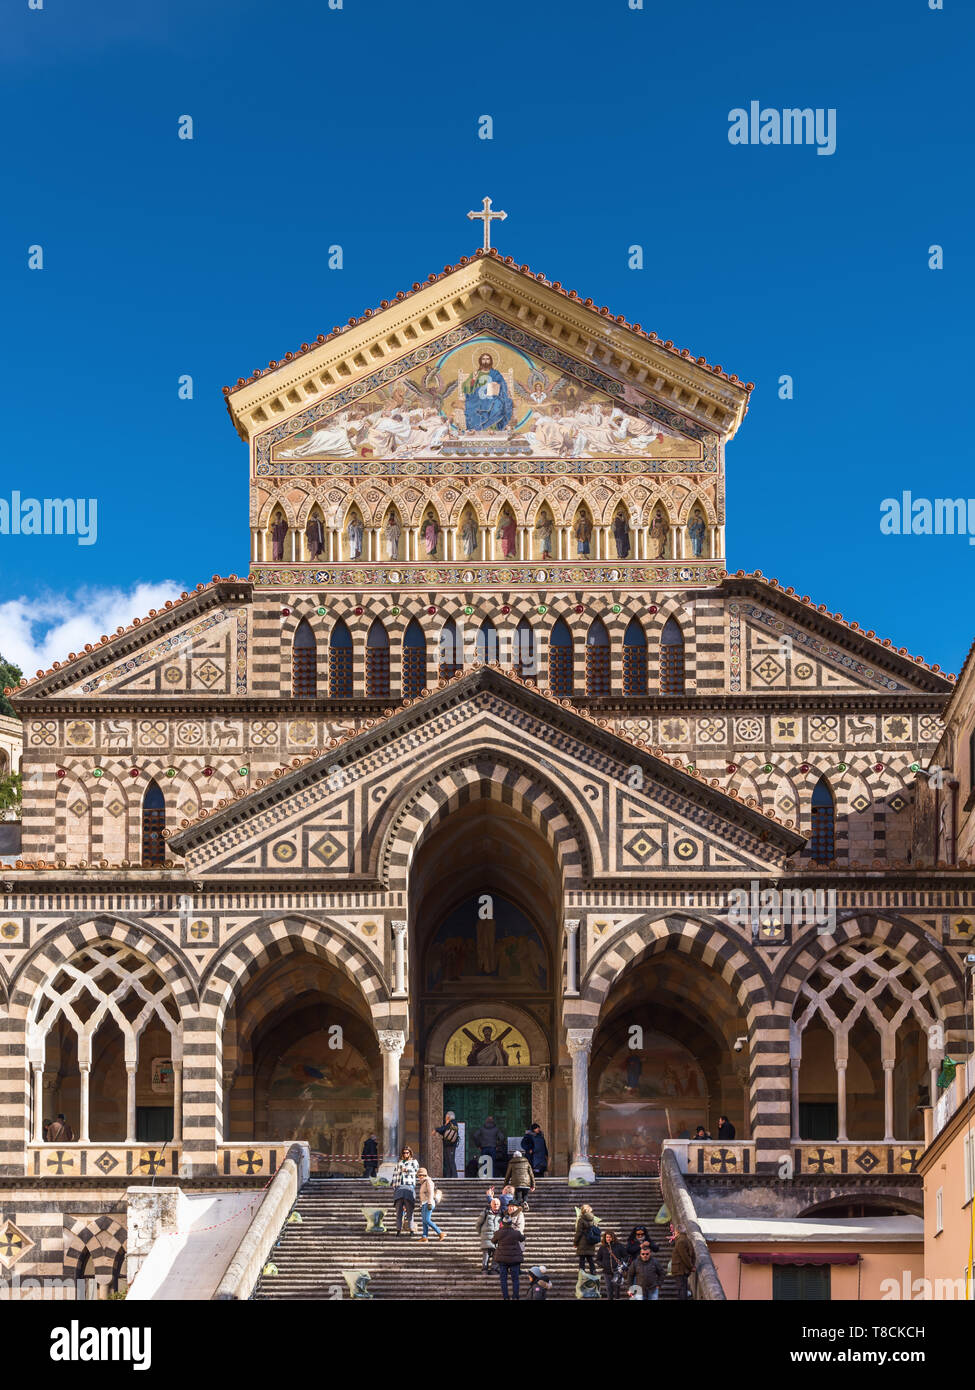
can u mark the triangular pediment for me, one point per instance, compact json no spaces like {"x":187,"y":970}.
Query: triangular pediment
{"x":486,"y":390}
{"x":635,"y":815}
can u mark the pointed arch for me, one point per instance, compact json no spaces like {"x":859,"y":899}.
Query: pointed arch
{"x":414,"y":660}
{"x":672,"y":666}
{"x":340,"y":660}
{"x":822,"y":837}
{"x":304,"y":662}
{"x":450,"y":657}
{"x":597,"y":659}
{"x":634,"y":659}
{"x":377,"y":660}
{"x":153,"y":824}
{"x":487,"y":643}
{"x":560,"y":659}
{"x":525,"y":649}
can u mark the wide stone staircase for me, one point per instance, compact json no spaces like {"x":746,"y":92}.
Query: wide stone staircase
{"x":310,"y":1257}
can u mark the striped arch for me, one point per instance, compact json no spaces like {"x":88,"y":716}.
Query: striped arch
{"x":738,"y":965}
{"x":469,"y":778}
{"x":654,"y":626}
{"x":42,"y":963}
{"x":103,"y":1238}
{"x":904,"y":939}
{"x":244,"y":957}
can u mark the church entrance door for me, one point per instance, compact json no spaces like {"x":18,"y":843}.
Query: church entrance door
{"x":509,"y":1103}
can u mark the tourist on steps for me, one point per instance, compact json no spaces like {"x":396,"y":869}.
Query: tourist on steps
{"x":535,"y":1149}
{"x":612,"y":1260}
{"x":521,"y":1177}
{"x":585,"y":1243}
{"x":682,"y":1262}
{"x":403,"y":1183}
{"x":450,"y":1134}
{"x":487,"y":1227}
{"x":428,"y":1205}
{"x":516,"y":1215}
{"x":539,"y":1284}
{"x":508,"y":1255}
{"x":507,"y":1197}
{"x":643,"y":1275}
{"x":370,"y":1157}
{"x":486,"y":1138}
{"x":640,"y":1235}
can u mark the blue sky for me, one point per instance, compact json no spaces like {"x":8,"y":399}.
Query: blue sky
{"x":358,"y":126}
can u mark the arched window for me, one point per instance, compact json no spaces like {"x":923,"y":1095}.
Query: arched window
{"x":525,"y":649}
{"x":304,"y":662}
{"x":414,"y":660}
{"x":597,"y":659}
{"x":340,"y":661}
{"x":451,"y":657}
{"x":822,"y":840}
{"x":153,"y":825}
{"x":634,"y":659}
{"x":487,"y":642}
{"x":560,"y":659}
{"x":377,"y":660}
{"x":671,"y":659}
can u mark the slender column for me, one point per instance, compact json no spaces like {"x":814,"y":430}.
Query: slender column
{"x":579,"y":1043}
{"x":399,"y":959}
{"x":84,"y":1069}
{"x":177,"y":1102}
{"x":392,"y":1043}
{"x":130,"y":1071}
{"x":888,"y":1098}
{"x":572,"y":957}
{"x":38,"y":1102}
{"x":841,"y":1133}
{"x":675,"y":543}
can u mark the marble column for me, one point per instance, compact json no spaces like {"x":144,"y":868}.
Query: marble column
{"x":579,"y":1044}
{"x":131,"y":1070}
{"x":841,"y":1133}
{"x":177,"y":1102}
{"x":39,"y":1102}
{"x":392,"y":1043}
{"x":84,"y":1069}
{"x":572,"y":957}
{"x":794,"y":1063}
{"x":888,"y":1065}
{"x":399,"y":959}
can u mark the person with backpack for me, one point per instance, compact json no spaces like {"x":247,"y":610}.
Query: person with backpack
{"x":487,"y":1227}
{"x":428,"y":1204}
{"x":450,"y":1134}
{"x":403,"y":1183}
{"x":587,"y":1237}
{"x":539,"y":1284}
{"x":612,"y":1261}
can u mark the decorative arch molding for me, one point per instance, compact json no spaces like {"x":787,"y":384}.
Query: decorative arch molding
{"x":244,"y":957}
{"x":478,"y":775}
{"x":103,"y":1238}
{"x":538,"y":1044}
{"x":903,"y":938}
{"x":738,"y":965}
{"x":654,"y":626}
{"x":41,"y":964}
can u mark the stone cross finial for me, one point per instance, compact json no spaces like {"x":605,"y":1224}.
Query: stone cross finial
{"x":487,"y":217}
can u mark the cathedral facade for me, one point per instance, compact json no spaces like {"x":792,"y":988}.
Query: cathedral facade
{"x":489,"y":788}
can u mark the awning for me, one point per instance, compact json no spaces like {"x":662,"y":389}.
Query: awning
{"x":800,"y":1257}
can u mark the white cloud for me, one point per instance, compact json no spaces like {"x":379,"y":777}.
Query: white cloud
{"x":36,"y":632}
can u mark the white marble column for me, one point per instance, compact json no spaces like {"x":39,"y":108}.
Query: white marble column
{"x":84,"y":1069}
{"x":888,"y":1065}
{"x":131,"y":1069}
{"x":38,"y":1102}
{"x":572,"y":957}
{"x":579,"y":1044}
{"x":841,"y":1133}
{"x":392,"y":1043}
{"x":399,"y":959}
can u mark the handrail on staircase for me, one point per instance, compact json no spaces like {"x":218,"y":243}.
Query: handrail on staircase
{"x":707,"y":1285}
{"x":242,"y":1273}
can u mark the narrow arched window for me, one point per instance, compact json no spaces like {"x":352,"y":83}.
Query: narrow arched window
{"x":414,"y":660}
{"x":822,"y":839}
{"x":560,"y":659}
{"x":525,"y":649}
{"x":487,"y":642}
{"x":450,"y":655}
{"x":377,"y":661}
{"x":340,"y":662}
{"x":304,"y":662}
{"x":634,"y":659}
{"x":153,"y":825}
{"x":597,"y":659}
{"x":671,"y":659}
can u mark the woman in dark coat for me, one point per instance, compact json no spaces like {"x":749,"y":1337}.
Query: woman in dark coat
{"x":612,"y":1261}
{"x":508,"y":1254}
{"x":640,"y":1235}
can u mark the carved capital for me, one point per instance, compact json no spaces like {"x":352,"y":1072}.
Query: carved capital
{"x":392,"y":1041}
{"x":572,"y":925}
{"x":399,"y":928}
{"x":579,"y":1040}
